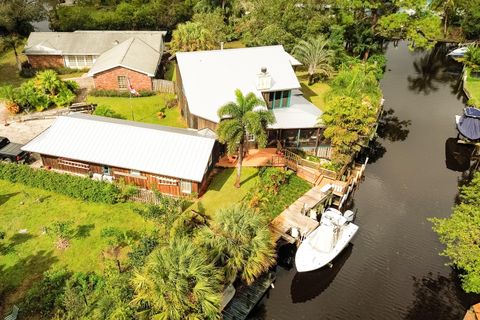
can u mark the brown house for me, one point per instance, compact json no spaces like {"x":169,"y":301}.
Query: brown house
{"x":171,"y":160}
{"x":113,"y":57}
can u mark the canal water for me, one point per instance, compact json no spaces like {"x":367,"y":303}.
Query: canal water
{"x":392,"y":269}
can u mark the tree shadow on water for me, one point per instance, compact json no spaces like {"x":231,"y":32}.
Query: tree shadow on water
{"x":439,"y":297}
{"x":390,"y":128}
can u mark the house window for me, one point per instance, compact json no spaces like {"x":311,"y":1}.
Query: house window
{"x":250,"y":137}
{"x":186,"y":187}
{"x":135,"y":173}
{"x":106,"y":171}
{"x":122,"y":82}
{"x":166,"y":181}
{"x":279,"y":99}
{"x":88,"y":61}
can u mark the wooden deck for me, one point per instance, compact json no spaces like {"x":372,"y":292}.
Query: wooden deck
{"x":247,"y":297}
{"x":254,"y":158}
{"x":293,"y":217}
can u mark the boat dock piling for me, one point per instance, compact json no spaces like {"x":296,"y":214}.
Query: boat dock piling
{"x":296,"y":215}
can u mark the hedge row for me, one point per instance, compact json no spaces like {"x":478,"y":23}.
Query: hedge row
{"x":73,"y":186}
{"x":123,"y":94}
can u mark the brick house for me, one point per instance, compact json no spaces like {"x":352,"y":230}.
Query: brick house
{"x":113,"y":57}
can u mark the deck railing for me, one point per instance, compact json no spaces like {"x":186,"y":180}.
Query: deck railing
{"x":294,"y":160}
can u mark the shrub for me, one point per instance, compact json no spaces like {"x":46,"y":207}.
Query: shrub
{"x":66,"y":70}
{"x":45,"y":91}
{"x":105,"y":111}
{"x":72,"y":186}
{"x":46,"y":295}
{"x":121,"y":94}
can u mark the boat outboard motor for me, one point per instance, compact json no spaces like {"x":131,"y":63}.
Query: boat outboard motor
{"x":349,"y":215}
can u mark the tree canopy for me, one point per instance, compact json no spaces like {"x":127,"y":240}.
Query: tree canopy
{"x":460,"y":233}
{"x":16,"y":16}
{"x":241,"y":243}
{"x":178,"y":282}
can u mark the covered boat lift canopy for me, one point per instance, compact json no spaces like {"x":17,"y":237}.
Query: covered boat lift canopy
{"x":468,"y":125}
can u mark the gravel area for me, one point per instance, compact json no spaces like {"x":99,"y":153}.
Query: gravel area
{"x":22,"y":132}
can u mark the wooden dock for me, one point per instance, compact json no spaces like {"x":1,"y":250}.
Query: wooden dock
{"x":293,"y":216}
{"x":247,"y":297}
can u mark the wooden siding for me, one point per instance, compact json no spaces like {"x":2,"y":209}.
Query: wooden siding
{"x":164,"y":184}
{"x":203,"y":123}
{"x":193,"y":121}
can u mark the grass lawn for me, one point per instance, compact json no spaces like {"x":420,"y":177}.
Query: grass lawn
{"x":8,"y":68}
{"x":24,"y":257}
{"x":287,"y":195}
{"x":221,"y":191}
{"x":234,"y":44}
{"x":314,"y":93}
{"x":473,"y":87}
{"x":144,"y":109}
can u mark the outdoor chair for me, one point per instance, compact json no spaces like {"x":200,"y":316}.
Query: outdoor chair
{"x":14,"y":314}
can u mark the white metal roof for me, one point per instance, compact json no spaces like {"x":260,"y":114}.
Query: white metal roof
{"x":91,"y":42}
{"x":133,"y":54}
{"x":301,"y":114}
{"x":210,"y":78}
{"x":173,"y":152}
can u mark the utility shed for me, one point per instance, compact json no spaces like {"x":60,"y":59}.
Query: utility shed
{"x":171,"y":160}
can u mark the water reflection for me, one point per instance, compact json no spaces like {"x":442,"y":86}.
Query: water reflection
{"x":457,"y":155}
{"x":286,"y":256}
{"x":390,"y":128}
{"x":309,"y":285}
{"x":431,"y":69}
{"x":437,"y":297}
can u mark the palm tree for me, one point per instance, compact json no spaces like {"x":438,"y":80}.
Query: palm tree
{"x":448,"y":7}
{"x":314,"y":54}
{"x":241,"y":242}
{"x":192,"y":36}
{"x":178,"y":282}
{"x":239,"y":118}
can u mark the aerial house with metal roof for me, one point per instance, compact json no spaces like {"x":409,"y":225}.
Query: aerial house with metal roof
{"x":171,"y":160}
{"x":206,"y":80}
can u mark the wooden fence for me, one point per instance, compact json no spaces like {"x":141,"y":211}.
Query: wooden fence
{"x":145,"y":196}
{"x":324,"y":152}
{"x":163,"y":86}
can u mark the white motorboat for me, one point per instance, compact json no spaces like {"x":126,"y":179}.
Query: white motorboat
{"x":327,"y":241}
{"x":458,"y":53}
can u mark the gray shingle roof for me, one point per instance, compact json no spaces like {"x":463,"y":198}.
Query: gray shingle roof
{"x":133,"y":54}
{"x":87,"y":42}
